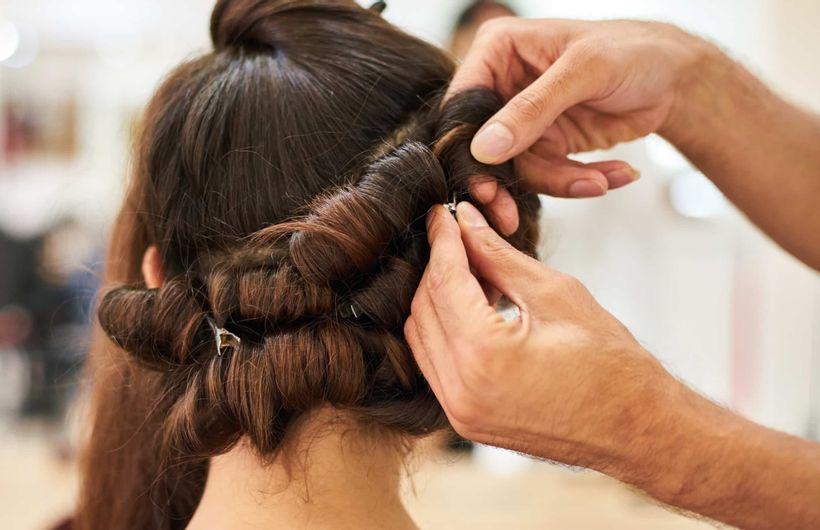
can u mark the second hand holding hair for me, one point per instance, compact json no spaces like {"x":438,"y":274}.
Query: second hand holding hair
{"x":503,"y":382}
{"x":566,"y":381}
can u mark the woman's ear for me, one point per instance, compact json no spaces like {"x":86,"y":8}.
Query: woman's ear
{"x":152,"y":268}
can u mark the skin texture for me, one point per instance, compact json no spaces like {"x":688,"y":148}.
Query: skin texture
{"x":567,"y":381}
{"x":332,"y":476}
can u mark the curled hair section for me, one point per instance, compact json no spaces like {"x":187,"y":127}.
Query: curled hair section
{"x":284,"y":178}
{"x":318,"y":299}
{"x":322,"y":296}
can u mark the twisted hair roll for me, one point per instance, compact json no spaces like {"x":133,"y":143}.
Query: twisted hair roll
{"x":284,"y":179}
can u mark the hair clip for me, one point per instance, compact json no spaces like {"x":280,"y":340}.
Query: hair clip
{"x":223,"y":337}
{"x":348,"y":311}
{"x":451,"y":206}
{"x":378,"y":7}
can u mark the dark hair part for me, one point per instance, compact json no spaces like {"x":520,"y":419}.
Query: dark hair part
{"x":284,"y":178}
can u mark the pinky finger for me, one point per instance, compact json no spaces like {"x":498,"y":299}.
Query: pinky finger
{"x":617,"y":172}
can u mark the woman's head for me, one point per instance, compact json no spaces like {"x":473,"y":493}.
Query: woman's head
{"x":284,"y":180}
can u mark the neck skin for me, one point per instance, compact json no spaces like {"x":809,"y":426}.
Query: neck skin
{"x":331,"y":475}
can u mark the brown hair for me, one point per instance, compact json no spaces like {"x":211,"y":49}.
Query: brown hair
{"x":284,"y":178}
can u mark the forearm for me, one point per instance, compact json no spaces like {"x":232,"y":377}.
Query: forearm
{"x":695,"y":455}
{"x":762,"y":152}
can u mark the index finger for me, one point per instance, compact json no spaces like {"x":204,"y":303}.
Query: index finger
{"x":476,"y":70}
{"x":507,"y":42}
{"x":448,"y":287}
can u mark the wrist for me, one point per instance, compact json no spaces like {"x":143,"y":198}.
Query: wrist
{"x":683,"y":434}
{"x":649,"y":399}
{"x":697,"y":90}
{"x":665,"y":420}
{"x":688,"y":442}
{"x":703,"y":458}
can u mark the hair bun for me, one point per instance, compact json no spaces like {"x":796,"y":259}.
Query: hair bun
{"x":250,"y":23}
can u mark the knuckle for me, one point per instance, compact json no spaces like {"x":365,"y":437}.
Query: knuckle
{"x":584,"y":50}
{"x":572,"y":285}
{"x":460,"y":428}
{"x":493,"y":246}
{"x":415,"y":309}
{"x":465,"y":430}
{"x":528,"y":106}
{"x":495,"y":26}
{"x":438,"y":276}
{"x":593,"y":55}
{"x":409,"y":328}
{"x":575,"y":285}
{"x":465,"y":413}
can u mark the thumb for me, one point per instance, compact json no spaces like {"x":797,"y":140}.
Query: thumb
{"x":493,"y":259}
{"x":522,"y":121}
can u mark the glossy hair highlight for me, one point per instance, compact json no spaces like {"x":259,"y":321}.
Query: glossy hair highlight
{"x":284,"y":178}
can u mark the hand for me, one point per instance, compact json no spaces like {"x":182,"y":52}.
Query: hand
{"x":565,"y":381}
{"x":571,"y":86}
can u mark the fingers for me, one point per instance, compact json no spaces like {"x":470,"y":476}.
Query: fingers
{"x":500,"y":204}
{"x":617,"y":173}
{"x":494,"y":260}
{"x":556,"y":176}
{"x":509,"y":44}
{"x":444,"y":236}
{"x":448,"y":302}
{"x":504,"y":212}
{"x":562,"y":177}
{"x":493,"y":295}
{"x":485,"y":55}
{"x":454,"y":294}
{"x":528,"y":114}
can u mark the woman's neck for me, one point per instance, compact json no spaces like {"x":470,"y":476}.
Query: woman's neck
{"x":331,"y":475}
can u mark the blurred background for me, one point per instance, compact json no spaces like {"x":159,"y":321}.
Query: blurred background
{"x":722,"y":306}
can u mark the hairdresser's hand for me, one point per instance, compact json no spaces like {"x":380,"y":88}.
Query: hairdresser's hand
{"x":571,"y":86}
{"x":566,"y":381}
{"x":564,"y":376}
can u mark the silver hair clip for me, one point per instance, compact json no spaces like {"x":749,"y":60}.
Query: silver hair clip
{"x":223,"y":337}
{"x":451,"y":206}
{"x":349,"y":311}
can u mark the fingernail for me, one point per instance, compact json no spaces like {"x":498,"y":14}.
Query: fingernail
{"x":470,"y":214}
{"x":491,"y":143}
{"x":586,"y":188}
{"x":621,"y":177}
